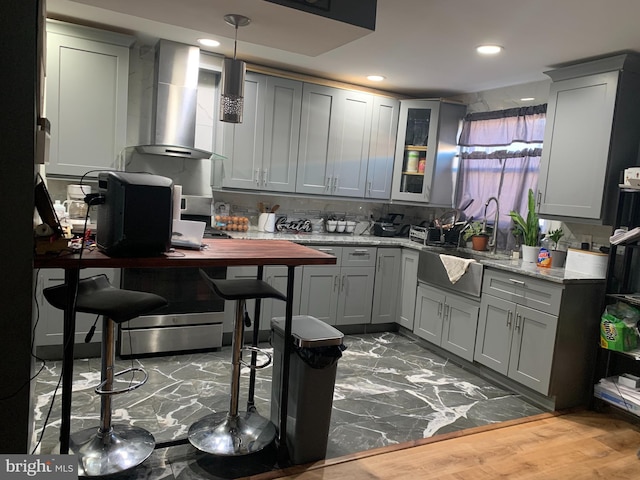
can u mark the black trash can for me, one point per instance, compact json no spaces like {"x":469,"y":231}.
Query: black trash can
{"x":312,"y":375}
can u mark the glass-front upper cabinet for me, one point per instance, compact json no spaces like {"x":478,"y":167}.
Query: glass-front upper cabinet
{"x":425,"y":151}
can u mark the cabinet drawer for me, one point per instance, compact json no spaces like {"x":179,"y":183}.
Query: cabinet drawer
{"x":335,"y":251}
{"x":524,"y":290}
{"x":358,"y":256}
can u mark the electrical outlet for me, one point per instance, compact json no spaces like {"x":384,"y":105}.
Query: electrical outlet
{"x":587,"y":239}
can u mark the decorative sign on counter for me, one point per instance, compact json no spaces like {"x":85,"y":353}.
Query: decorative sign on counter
{"x":301,"y":225}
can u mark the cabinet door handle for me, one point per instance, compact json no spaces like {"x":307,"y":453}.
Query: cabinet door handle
{"x":264,"y":177}
{"x":446,"y":312}
{"x":336,"y":282}
{"x":325,"y":250}
{"x":257,"y":179}
{"x":519,"y":282}
{"x":327,"y":184}
{"x":518,"y":318}
{"x":335,"y":184}
{"x":344,"y":280}
{"x":369,"y":188}
{"x":439,"y":309}
{"x":539,"y":198}
{"x":509,"y":317}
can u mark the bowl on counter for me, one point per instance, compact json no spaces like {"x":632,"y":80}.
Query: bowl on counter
{"x":341,"y":226}
{"x":350,"y":226}
{"x":332,"y":225}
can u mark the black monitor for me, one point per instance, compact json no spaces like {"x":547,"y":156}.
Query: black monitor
{"x":134,"y":219}
{"x":45,"y":209}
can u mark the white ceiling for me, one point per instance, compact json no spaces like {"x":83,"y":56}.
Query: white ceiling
{"x":423,"y":47}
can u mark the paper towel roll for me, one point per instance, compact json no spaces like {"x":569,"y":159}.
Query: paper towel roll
{"x":177,"y":201}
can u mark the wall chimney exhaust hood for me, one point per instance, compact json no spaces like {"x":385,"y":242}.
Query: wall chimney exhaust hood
{"x":173,"y":122}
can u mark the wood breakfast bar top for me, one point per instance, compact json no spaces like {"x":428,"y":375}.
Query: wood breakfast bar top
{"x":216,"y":253}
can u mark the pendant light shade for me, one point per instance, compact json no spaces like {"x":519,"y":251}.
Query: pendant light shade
{"x":233,"y":73}
{"x":232,"y":90}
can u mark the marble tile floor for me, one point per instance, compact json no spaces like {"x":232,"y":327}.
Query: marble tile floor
{"x":389,"y":389}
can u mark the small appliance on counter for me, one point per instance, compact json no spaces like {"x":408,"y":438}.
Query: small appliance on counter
{"x":384,"y":229}
{"x":135,"y":218}
{"x":200,"y":208}
{"x":387,"y":226}
{"x":76,"y":209}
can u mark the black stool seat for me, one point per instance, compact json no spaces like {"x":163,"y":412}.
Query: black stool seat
{"x":109,"y":449}
{"x":242,"y":288}
{"x":234,"y":432}
{"x":97,"y":295}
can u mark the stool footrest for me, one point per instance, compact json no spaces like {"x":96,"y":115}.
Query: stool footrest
{"x":130,"y":388}
{"x":266,"y":363}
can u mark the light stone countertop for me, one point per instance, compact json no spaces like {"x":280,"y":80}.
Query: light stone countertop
{"x":499,"y":261}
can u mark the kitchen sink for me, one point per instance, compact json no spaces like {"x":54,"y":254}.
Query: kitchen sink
{"x":432,"y":271}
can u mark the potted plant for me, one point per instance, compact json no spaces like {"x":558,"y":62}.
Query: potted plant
{"x":529,"y":230}
{"x":558,"y":257}
{"x":478,"y":234}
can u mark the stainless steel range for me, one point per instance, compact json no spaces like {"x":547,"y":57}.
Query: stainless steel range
{"x":193,"y":319}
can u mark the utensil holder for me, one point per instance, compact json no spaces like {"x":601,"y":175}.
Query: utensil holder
{"x":267,"y":222}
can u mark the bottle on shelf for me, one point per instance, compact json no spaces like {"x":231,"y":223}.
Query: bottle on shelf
{"x":412,"y":162}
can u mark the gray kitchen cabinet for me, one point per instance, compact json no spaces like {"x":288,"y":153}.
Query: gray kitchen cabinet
{"x":356,"y":295}
{"x":335,"y":132}
{"x":319,"y":296}
{"x":50,"y":323}
{"x":386,"y":287}
{"x":408,"y":287}
{"x":384,"y":127}
{"x":319,"y":293}
{"x":540,"y":333}
{"x":447,"y":320}
{"x":261,"y":152}
{"x":340,"y":294}
{"x":516,"y":341}
{"x":276,"y":276}
{"x":425,"y":151}
{"x":591,"y":135}
{"x":428,"y":313}
{"x":86,"y":98}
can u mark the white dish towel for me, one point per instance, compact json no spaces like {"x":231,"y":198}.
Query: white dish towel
{"x":456,"y":267}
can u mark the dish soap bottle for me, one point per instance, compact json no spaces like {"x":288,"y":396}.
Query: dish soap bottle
{"x":544,"y":256}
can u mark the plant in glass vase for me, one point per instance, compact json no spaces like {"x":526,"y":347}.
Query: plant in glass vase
{"x":529,"y":229}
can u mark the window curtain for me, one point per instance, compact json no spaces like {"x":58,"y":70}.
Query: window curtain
{"x":500,"y":157}
{"x":504,"y":127}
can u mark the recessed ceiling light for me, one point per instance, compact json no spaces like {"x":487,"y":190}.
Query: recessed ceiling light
{"x":375,"y":78}
{"x":489,"y":49}
{"x":208,"y":42}
{"x":527,"y":99}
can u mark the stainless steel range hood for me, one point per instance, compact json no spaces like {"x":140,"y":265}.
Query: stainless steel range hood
{"x":173,"y":125}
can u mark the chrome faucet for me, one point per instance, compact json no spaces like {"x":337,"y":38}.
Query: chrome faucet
{"x":493,"y":243}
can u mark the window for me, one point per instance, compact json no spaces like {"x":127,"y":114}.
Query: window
{"x":500,"y":157}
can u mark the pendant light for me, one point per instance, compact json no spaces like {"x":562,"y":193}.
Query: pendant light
{"x":233,"y":71}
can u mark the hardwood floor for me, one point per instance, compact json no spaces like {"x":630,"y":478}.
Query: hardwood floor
{"x":572,"y":445}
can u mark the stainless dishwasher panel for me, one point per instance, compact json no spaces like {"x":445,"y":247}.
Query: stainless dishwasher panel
{"x":432,"y":271}
{"x":173,"y":320}
{"x":170,"y":339}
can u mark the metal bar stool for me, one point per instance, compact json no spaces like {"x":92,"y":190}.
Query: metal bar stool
{"x":109,"y":448}
{"x":236,"y":433}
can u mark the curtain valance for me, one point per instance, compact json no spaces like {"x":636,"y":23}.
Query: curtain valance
{"x":504,"y":127}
